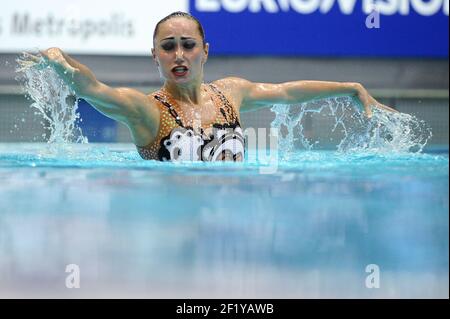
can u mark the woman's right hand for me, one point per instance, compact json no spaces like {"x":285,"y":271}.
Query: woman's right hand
{"x":77,"y":76}
{"x":56,"y":58}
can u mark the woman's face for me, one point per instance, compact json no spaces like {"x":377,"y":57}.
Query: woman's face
{"x":179,"y":51}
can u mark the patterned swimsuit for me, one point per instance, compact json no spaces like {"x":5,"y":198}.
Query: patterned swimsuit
{"x":180,"y":139}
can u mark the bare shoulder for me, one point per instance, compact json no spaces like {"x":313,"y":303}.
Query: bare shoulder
{"x":134,"y":99}
{"x":232,"y":83}
{"x":142,"y":105}
{"x":234,"y":88}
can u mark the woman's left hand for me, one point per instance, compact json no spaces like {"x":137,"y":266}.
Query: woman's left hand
{"x":369,"y":102}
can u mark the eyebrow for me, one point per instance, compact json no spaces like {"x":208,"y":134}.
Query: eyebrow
{"x":182,"y":38}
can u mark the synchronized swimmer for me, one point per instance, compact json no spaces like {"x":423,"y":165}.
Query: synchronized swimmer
{"x":188,"y":119}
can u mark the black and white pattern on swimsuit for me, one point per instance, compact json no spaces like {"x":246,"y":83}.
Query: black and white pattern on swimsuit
{"x":225,"y":143}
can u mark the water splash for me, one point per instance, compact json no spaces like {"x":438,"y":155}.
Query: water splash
{"x":52,"y":99}
{"x":385,"y":132}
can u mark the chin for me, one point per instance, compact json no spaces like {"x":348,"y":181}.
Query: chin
{"x":182,"y":80}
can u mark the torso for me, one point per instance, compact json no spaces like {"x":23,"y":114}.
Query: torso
{"x":210,"y":133}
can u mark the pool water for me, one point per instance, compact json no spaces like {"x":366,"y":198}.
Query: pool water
{"x":136,"y":228}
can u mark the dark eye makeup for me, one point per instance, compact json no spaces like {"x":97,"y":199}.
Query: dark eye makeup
{"x":170,"y":45}
{"x":189,"y":44}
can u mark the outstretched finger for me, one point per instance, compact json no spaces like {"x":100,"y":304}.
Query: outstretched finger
{"x":364,"y":98}
{"x":368,"y":110}
{"x":387,"y":108}
{"x":32,"y":57}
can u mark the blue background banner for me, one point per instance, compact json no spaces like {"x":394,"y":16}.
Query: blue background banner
{"x":96,"y":127}
{"x":276,"y":27}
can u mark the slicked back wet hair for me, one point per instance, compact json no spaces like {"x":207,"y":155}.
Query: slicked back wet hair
{"x":180,"y":14}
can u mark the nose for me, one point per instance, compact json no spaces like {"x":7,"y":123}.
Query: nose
{"x":179,"y":55}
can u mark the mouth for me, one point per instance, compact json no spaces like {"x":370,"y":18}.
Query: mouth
{"x":180,"y":71}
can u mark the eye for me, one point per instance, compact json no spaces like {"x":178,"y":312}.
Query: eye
{"x":169,"y":46}
{"x":189,"y":45}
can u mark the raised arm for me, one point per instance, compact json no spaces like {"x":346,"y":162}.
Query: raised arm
{"x":120,"y":104}
{"x":256,"y":95}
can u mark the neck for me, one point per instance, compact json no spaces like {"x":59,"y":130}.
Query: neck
{"x":190,"y":93}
